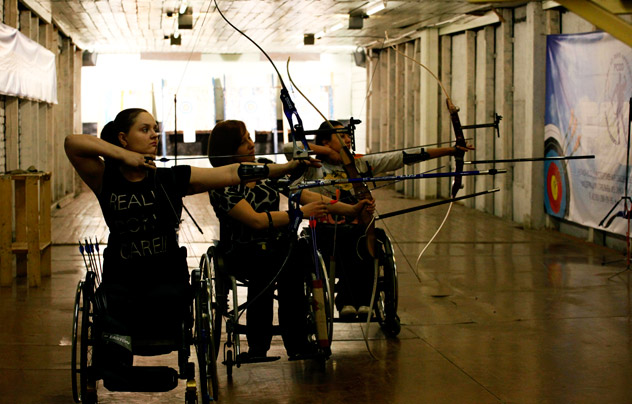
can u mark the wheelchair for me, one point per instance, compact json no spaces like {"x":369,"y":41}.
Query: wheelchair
{"x":385,"y":304}
{"x":386,"y":295}
{"x":227,"y":308}
{"x":88,"y":337}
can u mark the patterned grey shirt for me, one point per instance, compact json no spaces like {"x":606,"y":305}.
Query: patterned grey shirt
{"x":262,"y":197}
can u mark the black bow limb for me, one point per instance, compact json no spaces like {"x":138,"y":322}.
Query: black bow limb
{"x":288,"y":105}
{"x":457,"y":184}
{"x":527,"y":159}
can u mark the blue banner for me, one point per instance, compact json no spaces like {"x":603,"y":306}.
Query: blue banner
{"x":588,"y":89}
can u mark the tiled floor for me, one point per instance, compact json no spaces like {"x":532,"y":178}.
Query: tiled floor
{"x":493,"y":314}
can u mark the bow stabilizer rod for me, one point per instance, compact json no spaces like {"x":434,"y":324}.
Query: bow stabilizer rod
{"x":322,"y":183}
{"x":526,"y":159}
{"x":433,"y":204}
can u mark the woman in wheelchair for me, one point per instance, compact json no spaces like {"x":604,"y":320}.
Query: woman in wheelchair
{"x":145,"y":282}
{"x":255,"y":240}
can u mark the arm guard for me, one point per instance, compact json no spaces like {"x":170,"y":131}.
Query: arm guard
{"x":411,"y":158}
{"x":252,"y":172}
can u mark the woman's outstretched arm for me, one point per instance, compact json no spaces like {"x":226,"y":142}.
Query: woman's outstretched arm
{"x":205,"y":179}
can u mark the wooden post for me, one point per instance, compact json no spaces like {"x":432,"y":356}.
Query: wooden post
{"x":503,"y":148}
{"x":416,"y":132}
{"x":11,"y":103}
{"x":45,"y":224}
{"x":399,"y":101}
{"x":46,"y":132}
{"x":28,"y":123}
{"x":11,"y":15}
{"x":382,"y":110}
{"x":469,"y":103}
{"x":411,"y":115}
{"x":535,"y":111}
{"x":20,"y":226}
{"x":11,"y":119}
{"x":6,"y":213}
{"x":389,"y":139}
{"x":445,"y":125}
{"x":34,"y":276}
{"x":59,"y":159}
{"x":485,"y":137}
{"x":429,"y":105}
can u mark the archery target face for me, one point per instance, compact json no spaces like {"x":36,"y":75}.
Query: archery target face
{"x":557,"y":196}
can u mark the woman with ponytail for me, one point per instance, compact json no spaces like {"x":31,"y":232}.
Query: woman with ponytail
{"x":145,"y":271}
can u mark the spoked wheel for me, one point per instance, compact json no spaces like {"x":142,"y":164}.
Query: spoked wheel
{"x":388,"y":289}
{"x":232,"y":348}
{"x":203,"y":337}
{"x":87,"y":376}
{"x":328,"y":299}
{"x":319,"y":313}
{"x":216,"y":293}
{"x":76,"y":326}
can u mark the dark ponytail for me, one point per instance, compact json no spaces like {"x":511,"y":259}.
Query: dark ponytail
{"x":122,"y":123}
{"x":109,"y":133}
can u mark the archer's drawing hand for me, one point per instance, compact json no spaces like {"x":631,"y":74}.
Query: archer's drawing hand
{"x":138,"y":160}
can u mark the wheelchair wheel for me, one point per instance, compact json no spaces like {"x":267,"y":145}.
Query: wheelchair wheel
{"x":74,"y":364}
{"x":328,"y":299}
{"x":217,"y":296}
{"x":320,"y":316}
{"x":387,"y":297}
{"x":203,"y":336}
{"x":84,"y":334}
{"x":232,"y":347}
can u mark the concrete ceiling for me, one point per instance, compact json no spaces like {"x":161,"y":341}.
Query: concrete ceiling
{"x":143,"y":26}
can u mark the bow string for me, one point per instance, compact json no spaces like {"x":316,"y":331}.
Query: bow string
{"x":360,"y":188}
{"x":457,"y":183}
{"x":289,"y":109}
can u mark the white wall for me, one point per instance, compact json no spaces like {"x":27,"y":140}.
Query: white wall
{"x":332,"y":82}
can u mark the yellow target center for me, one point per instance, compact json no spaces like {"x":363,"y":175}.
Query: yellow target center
{"x":554,"y":189}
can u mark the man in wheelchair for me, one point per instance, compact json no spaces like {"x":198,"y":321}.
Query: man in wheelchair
{"x":255,"y":240}
{"x":342,"y":236}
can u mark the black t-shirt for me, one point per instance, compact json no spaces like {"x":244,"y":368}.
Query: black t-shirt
{"x":143,"y":218}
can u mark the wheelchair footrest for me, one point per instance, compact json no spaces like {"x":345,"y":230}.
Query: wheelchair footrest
{"x":143,"y":379}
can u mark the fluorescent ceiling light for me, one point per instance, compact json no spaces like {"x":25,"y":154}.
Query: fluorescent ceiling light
{"x":183,"y":6}
{"x":378,"y":7}
{"x":336,"y":27}
{"x":319,"y":34}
